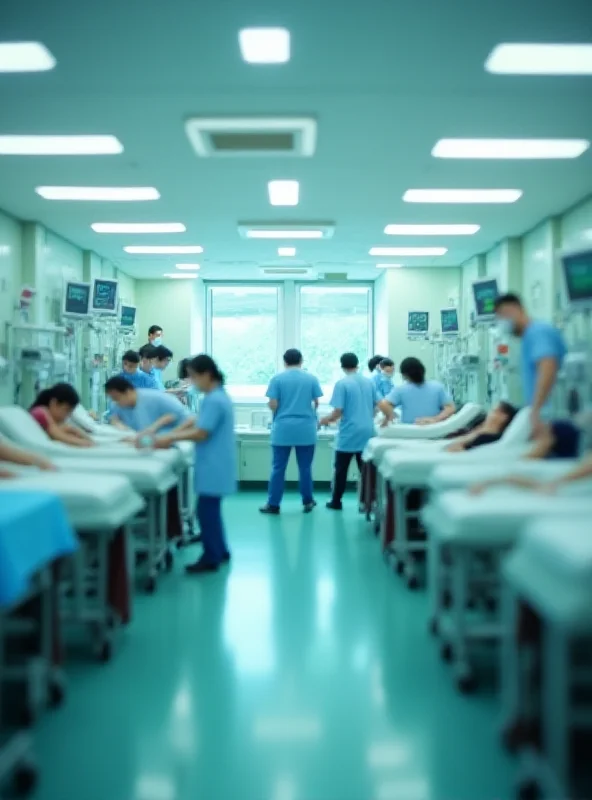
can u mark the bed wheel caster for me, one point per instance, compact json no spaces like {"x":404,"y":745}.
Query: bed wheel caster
{"x":446,"y":652}
{"x":413,"y":582}
{"x":529,"y":790}
{"x":57,"y":694}
{"x":151,"y":585}
{"x":466,"y":684}
{"x":26,"y":777}
{"x":106,"y":652}
{"x":168,"y":561}
{"x":433,"y":627}
{"x":400,"y":567}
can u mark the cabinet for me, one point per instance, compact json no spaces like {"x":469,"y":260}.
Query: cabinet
{"x":254,"y":459}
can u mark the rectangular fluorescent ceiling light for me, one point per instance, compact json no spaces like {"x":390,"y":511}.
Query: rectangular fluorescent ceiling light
{"x":288,"y":252}
{"x":163,"y":250}
{"x":181,"y":275}
{"x":265,"y":45}
{"x":283,"y":193}
{"x":462,"y":195}
{"x":25,"y":57}
{"x":283,"y":230}
{"x":59,"y":145}
{"x":408,"y":251}
{"x":109,"y":194}
{"x":431,"y":230}
{"x":187,"y":266}
{"x":389,"y":266}
{"x":510,"y":148}
{"x":138,"y":227}
{"x":540,"y":59}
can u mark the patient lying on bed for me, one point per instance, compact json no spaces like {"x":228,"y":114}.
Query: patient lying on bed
{"x":490,"y":430}
{"x":52,"y":408}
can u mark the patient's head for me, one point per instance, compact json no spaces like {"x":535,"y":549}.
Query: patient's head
{"x":130,"y":362}
{"x":121,"y":392}
{"x":500,"y":417}
{"x":148,"y":356}
{"x":60,"y":401}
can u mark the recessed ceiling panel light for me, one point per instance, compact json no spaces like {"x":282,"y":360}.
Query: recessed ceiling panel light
{"x":289,"y":252}
{"x":265,"y":45}
{"x":462,"y":195}
{"x":389,"y":266}
{"x":163,"y":250}
{"x":540,"y":59}
{"x":108,"y":194}
{"x":181,"y":275}
{"x":408,"y":251}
{"x":25,"y":57}
{"x":272,"y":234}
{"x":283,"y":193}
{"x":510,"y":148}
{"x":59,"y":145}
{"x":138,"y":227}
{"x":188,"y":266}
{"x":431,"y":230}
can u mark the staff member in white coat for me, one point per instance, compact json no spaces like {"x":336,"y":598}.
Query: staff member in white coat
{"x":215,"y":460}
{"x":293,"y":398}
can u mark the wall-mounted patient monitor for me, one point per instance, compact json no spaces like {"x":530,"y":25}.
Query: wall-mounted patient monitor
{"x":417,"y":323}
{"x":485,"y":293}
{"x":577,"y":273}
{"x":104,"y":297}
{"x":76,"y":300}
{"x":127,"y":316}
{"x":449,"y":321}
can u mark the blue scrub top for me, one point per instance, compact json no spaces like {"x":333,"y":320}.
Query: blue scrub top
{"x":215,"y":473}
{"x":139,"y":379}
{"x":156,"y":374}
{"x":295,"y":420}
{"x":382,"y":383}
{"x":150,"y":406}
{"x":355,"y":396}
{"x":425,"y":400}
{"x":540,"y":340}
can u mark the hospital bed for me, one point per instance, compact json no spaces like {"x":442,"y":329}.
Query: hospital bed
{"x":152,"y":476}
{"x":468,"y":537}
{"x":546,"y":678}
{"x":405,"y":475}
{"x":99,"y":508}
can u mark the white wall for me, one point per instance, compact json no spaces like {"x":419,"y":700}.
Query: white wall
{"x":10,"y":284}
{"x":539,"y":251}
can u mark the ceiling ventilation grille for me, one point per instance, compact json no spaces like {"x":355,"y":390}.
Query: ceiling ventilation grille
{"x":287,"y":272}
{"x":252,"y":137}
{"x":334,"y":276}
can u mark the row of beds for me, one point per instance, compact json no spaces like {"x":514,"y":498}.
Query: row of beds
{"x":73,"y":543}
{"x":508,"y":574}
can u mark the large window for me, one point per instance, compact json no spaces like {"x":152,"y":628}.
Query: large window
{"x":334,"y":320}
{"x":248,"y":328}
{"x":242,"y":335}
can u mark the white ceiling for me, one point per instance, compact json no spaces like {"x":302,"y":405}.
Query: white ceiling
{"x":384,"y":79}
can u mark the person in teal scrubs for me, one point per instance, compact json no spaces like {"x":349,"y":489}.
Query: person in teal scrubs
{"x":163,"y":358}
{"x":382,"y":377}
{"x":421,"y":402}
{"x":293,"y":399}
{"x":215,"y":471}
{"x":147,"y":360}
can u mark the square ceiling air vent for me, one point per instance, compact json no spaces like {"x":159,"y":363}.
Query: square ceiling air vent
{"x":252,"y":137}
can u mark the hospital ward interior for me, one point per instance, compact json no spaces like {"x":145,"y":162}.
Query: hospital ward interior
{"x":296,"y":400}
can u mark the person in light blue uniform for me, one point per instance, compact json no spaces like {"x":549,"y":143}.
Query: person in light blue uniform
{"x":542,"y":354}
{"x":163,"y":358}
{"x":293,"y":398}
{"x":354,"y":402}
{"x":215,"y":460}
{"x":147,"y":361}
{"x":145,"y":411}
{"x":421,"y":402}
{"x":382,"y":377}
{"x":133,"y":374}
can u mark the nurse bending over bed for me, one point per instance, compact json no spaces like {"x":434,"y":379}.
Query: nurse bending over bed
{"x":215,"y":460}
{"x":144,"y":411}
{"x":51,"y":410}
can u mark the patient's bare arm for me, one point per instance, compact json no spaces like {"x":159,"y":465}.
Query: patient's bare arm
{"x":23,"y":457}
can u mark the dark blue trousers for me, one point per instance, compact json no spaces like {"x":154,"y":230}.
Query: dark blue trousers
{"x":209,"y":517}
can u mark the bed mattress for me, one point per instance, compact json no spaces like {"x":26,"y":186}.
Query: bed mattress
{"x":439,"y":430}
{"x":92,"y":502}
{"x":147,"y":476}
{"x":448,"y":477}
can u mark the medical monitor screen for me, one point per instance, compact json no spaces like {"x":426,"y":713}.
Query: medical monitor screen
{"x":417,"y":322}
{"x":128,"y":316}
{"x":104,"y":297}
{"x":485,"y":294}
{"x":577,"y":269}
{"x":76,"y":299}
{"x":449,"y":320}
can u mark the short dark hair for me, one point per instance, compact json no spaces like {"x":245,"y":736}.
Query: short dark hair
{"x":374,"y":362}
{"x":183,"y":369}
{"x":163,"y":352}
{"x":349,"y":361}
{"x":131,"y":357}
{"x":61,"y":393}
{"x":292,"y":357}
{"x":387,"y":362}
{"x":413,"y":370}
{"x":508,"y":410}
{"x":507,"y":299}
{"x":154,"y":329}
{"x":148,"y":351}
{"x":118,"y":384}
{"x":205,"y":365}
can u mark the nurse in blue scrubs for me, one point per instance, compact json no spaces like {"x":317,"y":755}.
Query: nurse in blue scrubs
{"x":215,"y":460}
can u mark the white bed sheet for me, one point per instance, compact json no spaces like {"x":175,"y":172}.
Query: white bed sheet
{"x":147,"y":477}
{"x":448,"y":477}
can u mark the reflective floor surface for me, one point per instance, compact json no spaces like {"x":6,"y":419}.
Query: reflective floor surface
{"x":302,"y":672}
